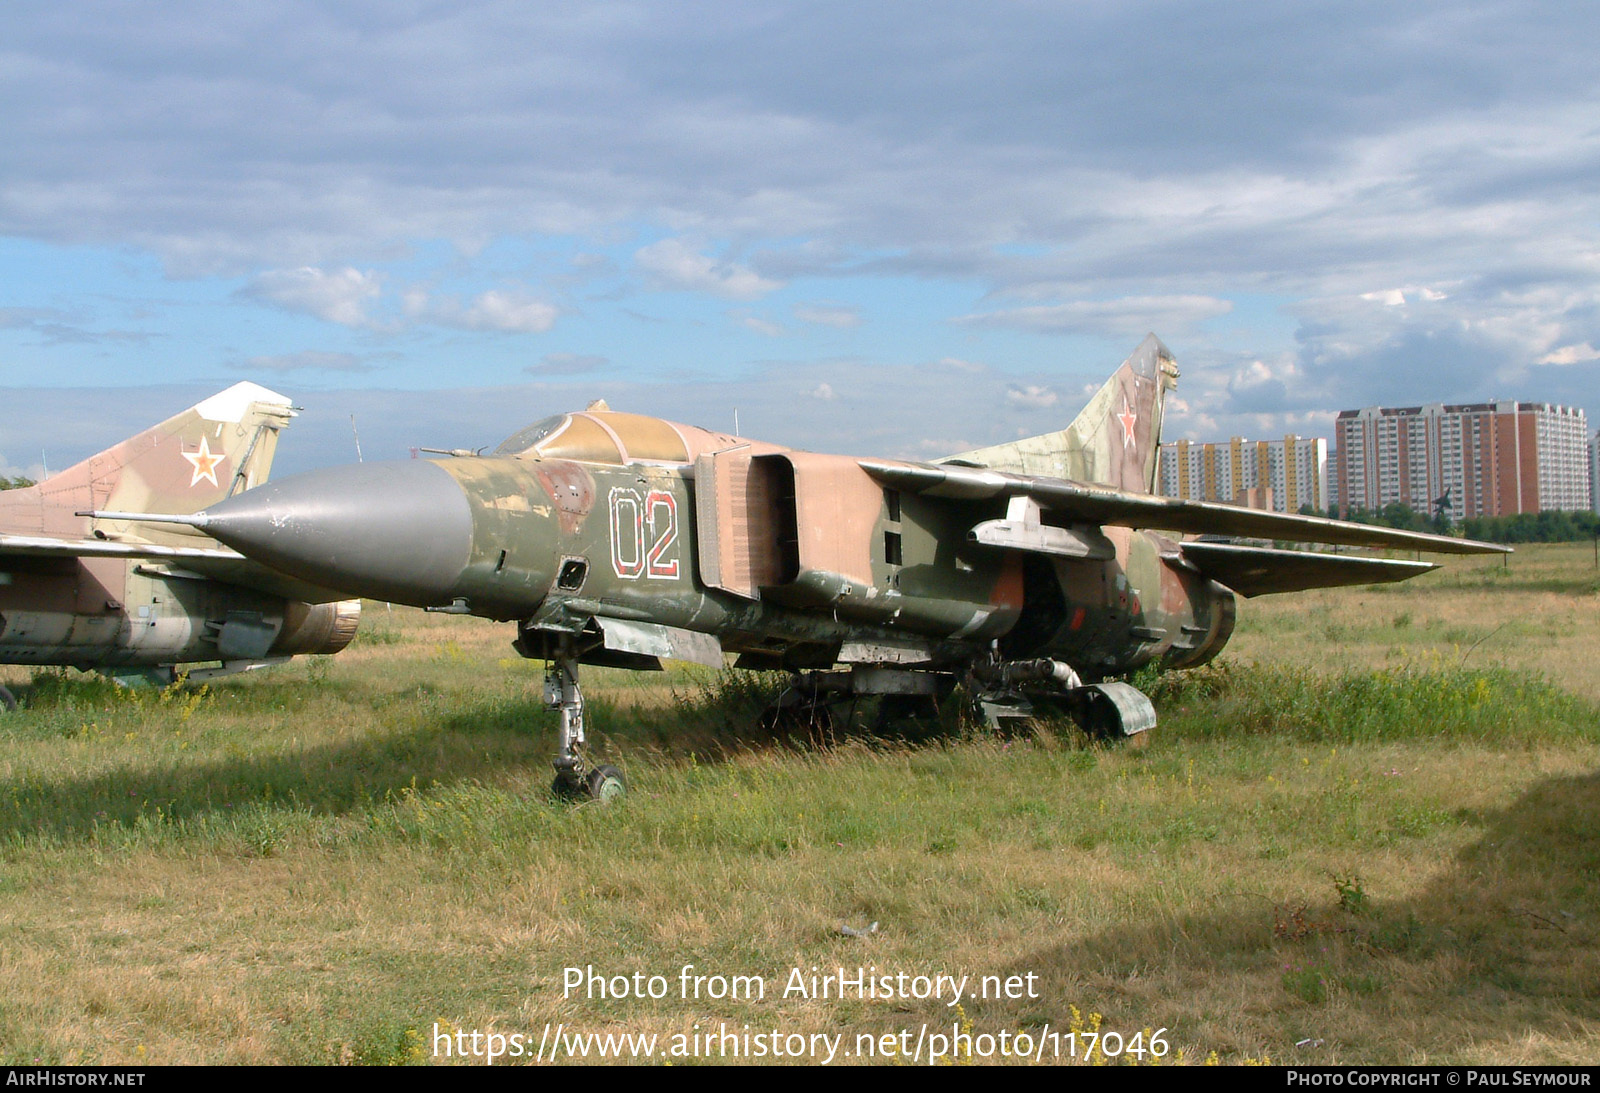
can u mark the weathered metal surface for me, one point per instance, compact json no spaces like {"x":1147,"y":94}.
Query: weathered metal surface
{"x":1022,"y":530}
{"x":569,"y":489}
{"x":1134,"y":712}
{"x":1093,"y":504}
{"x":837,"y":508}
{"x":1257,"y":571}
{"x":187,"y":462}
{"x":41,"y":547}
{"x":654,"y":639}
{"x":738,"y":518}
{"x":321,"y":628}
{"x":884,"y":652}
{"x":398,"y":531}
{"x":874,"y":680}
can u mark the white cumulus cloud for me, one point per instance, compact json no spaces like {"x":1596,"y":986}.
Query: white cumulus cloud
{"x":673,"y":264}
{"x":339,"y":296}
{"x":1031,"y":397}
{"x":1571,"y":354}
{"x":510,"y":312}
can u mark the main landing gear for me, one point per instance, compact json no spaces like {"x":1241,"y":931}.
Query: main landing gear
{"x":1106,"y":711}
{"x":576,"y":778}
{"x":806,"y":709}
{"x":997,"y":689}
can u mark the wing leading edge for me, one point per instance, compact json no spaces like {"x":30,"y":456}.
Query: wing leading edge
{"x":1100,"y":506}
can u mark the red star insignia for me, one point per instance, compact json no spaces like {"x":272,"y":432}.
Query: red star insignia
{"x":1128,"y":419}
{"x":204,"y":463}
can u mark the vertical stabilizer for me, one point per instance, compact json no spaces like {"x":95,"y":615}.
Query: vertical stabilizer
{"x":1114,"y":441}
{"x":220,"y":447}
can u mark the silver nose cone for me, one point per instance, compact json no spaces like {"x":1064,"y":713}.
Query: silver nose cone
{"x":398,"y":531}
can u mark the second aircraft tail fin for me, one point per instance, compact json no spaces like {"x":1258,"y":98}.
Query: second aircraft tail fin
{"x":216,"y":448}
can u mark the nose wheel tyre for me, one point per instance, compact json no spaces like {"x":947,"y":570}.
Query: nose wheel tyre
{"x":605,"y":783}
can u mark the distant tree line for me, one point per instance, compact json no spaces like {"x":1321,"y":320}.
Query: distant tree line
{"x":1394,"y":515}
{"x":1534,"y":527}
{"x":17,"y":483}
{"x":1524,"y":527}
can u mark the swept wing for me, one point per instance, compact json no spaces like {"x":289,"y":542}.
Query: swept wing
{"x":1075,"y":503}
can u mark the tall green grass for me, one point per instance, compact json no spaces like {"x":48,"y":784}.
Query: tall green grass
{"x":1412,"y":701}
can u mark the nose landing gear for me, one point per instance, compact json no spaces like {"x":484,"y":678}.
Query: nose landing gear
{"x":575,"y":778}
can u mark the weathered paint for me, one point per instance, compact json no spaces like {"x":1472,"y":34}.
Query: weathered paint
{"x":1113,"y":441}
{"x":115,"y":612}
{"x":789,"y":558}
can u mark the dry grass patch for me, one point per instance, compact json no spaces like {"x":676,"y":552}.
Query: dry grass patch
{"x":1535,"y":611}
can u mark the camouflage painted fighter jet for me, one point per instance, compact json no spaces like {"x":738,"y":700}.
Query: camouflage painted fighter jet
{"x":95,"y":595}
{"x":616,"y":539}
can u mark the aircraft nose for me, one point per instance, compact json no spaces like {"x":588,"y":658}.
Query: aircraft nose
{"x":398,"y":531}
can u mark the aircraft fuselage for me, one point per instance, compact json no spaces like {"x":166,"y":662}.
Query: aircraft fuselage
{"x":788,"y":559}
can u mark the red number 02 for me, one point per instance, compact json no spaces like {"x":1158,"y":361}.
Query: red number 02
{"x":629,"y":517}
{"x":666,"y":532}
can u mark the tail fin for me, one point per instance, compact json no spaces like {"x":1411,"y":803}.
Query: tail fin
{"x":212,"y":450}
{"x":1114,"y":441}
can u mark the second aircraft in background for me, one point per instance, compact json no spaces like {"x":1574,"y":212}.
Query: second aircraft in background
{"x":145,"y":602}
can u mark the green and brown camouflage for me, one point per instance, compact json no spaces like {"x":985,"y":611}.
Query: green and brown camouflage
{"x":140,"y":600}
{"x":1046,"y":565}
{"x":1115,"y":438}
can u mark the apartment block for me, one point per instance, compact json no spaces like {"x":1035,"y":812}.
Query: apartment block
{"x":1489,"y":458}
{"x":1273,"y":474}
{"x":1594,"y":472}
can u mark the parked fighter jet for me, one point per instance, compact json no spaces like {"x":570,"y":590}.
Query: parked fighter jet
{"x":616,"y":539}
{"x":95,"y":595}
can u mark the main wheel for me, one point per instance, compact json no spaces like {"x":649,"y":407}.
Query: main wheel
{"x":7,"y":703}
{"x":605,"y":783}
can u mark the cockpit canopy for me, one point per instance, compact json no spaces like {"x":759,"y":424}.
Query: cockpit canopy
{"x":605,"y":436}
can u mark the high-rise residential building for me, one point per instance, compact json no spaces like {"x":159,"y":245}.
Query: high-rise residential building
{"x":1594,"y":472}
{"x":1282,"y":474}
{"x":1489,"y":458}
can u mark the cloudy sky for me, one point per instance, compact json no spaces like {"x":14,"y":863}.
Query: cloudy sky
{"x":882,"y":228}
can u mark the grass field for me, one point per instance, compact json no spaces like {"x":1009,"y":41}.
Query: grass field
{"x":1370,"y":833}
